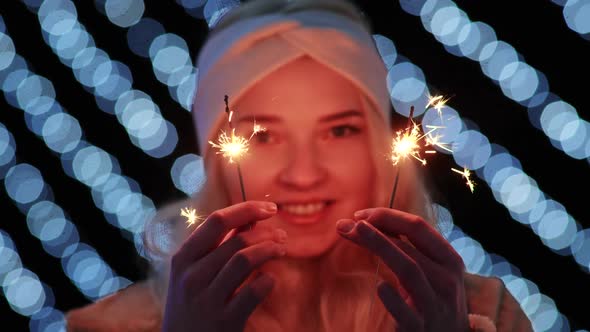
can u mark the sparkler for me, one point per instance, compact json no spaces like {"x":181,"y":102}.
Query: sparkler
{"x":433,"y":140}
{"x":256,"y":128}
{"x":466,"y":173}
{"x":406,"y":144}
{"x":233,"y":146}
{"x":437,"y":102}
{"x":191,"y":216}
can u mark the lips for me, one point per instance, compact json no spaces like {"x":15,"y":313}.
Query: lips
{"x":308,"y":212}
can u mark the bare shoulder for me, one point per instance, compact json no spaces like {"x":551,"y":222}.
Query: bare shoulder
{"x":131,"y":309}
{"x":488,"y":296}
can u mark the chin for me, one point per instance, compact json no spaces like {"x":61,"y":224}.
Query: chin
{"x":310,"y":246}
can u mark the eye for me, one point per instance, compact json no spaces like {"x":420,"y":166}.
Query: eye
{"x":264,"y":137}
{"x":344,"y":130}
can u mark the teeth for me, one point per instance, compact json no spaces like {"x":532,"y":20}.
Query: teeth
{"x":303,"y":209}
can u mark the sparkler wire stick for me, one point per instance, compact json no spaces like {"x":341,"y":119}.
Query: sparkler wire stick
{"x":391,"y":200}
{"x":241,"y":182}
{"x":230,"y":115}
{"x":394,"y":189}
{"x":233,"y":147}
{"x":406,"y":145}
{"x":231,"y":127}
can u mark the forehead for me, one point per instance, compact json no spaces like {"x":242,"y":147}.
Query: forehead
{"x":303,"y":86}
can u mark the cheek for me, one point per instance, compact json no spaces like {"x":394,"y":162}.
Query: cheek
{"x":353,"y":165}
{"x":257,"y":175}
{"x":232,"y":182}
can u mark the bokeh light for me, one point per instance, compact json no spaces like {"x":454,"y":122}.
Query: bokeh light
{"x":106,"y":79}
{"x":575,"y":14}
{"x":47,"y":222}
{"x":170,"y":57}
{"x":539,"y":308}
{"x":501,"y":62}
{"x":25,"y":293}
{"x":124,"y":206}
{"x":62,"y":133}
{"x":471,"y":149}
{"x":124,"y":13}
{"x":188,"y":173}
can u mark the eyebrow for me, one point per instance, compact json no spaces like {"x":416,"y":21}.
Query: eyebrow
{"x":259,"y":119}
{"x":276,"y":119}
{"x":341,"y":115}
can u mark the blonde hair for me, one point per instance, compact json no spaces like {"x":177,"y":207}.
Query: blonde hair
{"x":349,"y":285}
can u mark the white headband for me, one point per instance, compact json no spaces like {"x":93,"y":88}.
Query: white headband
{"x":245,"y":52}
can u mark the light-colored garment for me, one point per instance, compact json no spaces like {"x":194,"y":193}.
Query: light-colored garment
{"x":134,"y":309}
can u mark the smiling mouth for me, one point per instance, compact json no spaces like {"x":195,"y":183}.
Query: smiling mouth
{"x":308,"y":212}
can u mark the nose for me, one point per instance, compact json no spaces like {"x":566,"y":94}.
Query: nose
{"x":303,"y":170}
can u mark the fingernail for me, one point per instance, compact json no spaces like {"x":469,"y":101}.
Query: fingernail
{"x":280,"y":235}
{"x":345,"y":225}
{"x":365,"y":225}
{"x":269,"y":207}
{"x":361,"y":214}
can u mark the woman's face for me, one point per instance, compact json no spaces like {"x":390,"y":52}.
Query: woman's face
{"x":313,"y":160}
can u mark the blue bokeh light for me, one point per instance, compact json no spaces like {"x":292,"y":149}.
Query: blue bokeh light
{"x":188,"y":173}
{"x":124,"y":13}
{"x":499,"y":60}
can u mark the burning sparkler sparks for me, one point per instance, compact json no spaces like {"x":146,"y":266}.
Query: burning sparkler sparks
{"x":434,"y":140}
{"x":232,"y":146}
{"x":437,"y":102}
{"x":466,"y":173}
{"x":191,"y":216}
{"x":256,"y":128}
{"x":406,"y":144}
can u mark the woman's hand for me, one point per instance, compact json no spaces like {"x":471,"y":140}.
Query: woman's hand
{"x":205,"y":275}
{"x":428,"y":269}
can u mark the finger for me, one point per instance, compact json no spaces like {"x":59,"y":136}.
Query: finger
{"x":406,"y":318}
{"x":247,"y":299}
{"x":247,"y":227}
{"x":440,"y":278}
{"x":405,"y":268}
{"x":217,"y":224}
{"x":421,"y":234}
{"x":242,"y":264}
{"x":208,"y":267}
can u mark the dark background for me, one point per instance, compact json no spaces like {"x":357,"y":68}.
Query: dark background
{"x":536,"y":29}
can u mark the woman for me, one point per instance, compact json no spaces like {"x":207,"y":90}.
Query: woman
{"x":301,"y":253}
